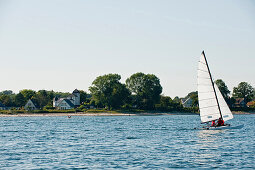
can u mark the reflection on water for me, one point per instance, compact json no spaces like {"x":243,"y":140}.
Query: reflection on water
{"x":209,"y":135}
{"x":207,"y":145}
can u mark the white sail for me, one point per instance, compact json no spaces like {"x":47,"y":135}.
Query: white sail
{"x":208,"y":106}
{"x":225,"y":111}
{"x":206,"y":97}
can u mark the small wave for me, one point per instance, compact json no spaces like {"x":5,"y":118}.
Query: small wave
{"x":119,"y":129}
{"x":9,"y":131}
{"x":131,"y":137}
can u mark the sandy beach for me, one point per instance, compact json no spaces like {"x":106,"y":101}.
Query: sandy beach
{"x":242,"y":113}
{"x":88,"y":114}
{"x":63,"y":114}
{"x":101,"y":114}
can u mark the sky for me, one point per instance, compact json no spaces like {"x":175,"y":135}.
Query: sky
{"x":61,"y":45}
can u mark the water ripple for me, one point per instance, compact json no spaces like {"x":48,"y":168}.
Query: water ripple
{"x":131,"y":142}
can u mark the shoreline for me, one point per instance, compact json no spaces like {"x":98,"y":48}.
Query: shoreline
{"x":60,"y":114}
{"x":87,"y":114}
{"x":242,"y":113}
{"x":104,"y":114}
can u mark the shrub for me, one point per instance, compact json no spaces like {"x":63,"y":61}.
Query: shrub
{"x":48,"y":108}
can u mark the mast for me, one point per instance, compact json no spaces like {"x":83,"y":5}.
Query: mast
{"x":212,"y":84}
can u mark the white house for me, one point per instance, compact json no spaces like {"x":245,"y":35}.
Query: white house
{"x":187,"y":102}
{"x":70,"y":102}
{"x":65,"y":104}
{"x":31,"y":105}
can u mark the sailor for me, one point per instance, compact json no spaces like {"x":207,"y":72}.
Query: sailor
{"x":220,"y":122}
{"x":213,"y":123}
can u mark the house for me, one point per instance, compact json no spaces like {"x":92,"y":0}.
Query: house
{"x":251,"y":104}
{"x":70,"y":102}
{"x":239,"y":102}
{"x":186,"y":102}
{"x":31,"y":105}
{"x":2,"y":106}
{"x":65,"y":104}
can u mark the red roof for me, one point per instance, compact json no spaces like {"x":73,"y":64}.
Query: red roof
{"x":252,"y":103}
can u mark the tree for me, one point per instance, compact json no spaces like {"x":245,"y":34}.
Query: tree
{"x":83,"y":96}
{"x":177,"y":99}
{"x":244,"y":90}
{"x":146,"y":88}
{"x":42,"y":98}
{"x":108,"y":91}
{"x":51,"y":94}
{"x":253,"y":93}
{"x":6,"y":100}
{"x":20,"y":100}
{"x":165,"y":104}
{"x":27,"y":93}
{"x":194,"y":98}
{"x":61,"y":94}
{"x":223,"y":88}
{"x":7,"y":92}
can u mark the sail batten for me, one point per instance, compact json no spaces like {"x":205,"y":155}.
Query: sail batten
{"x":208,"y":106}
{"x":202,"y":70}
{"x":212,"y":105}
{"x":203,"y":77}
{"x":206,"y":99}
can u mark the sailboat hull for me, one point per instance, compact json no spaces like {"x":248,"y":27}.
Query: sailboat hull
{"x":221,"y":127}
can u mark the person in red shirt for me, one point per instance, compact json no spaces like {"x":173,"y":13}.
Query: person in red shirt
{"x":213,"y":123}
{"x":220,"y":122}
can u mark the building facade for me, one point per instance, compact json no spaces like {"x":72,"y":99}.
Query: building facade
{"x":70,"y":102}
{"x":187,"y":102}
{"x":31,"y":105}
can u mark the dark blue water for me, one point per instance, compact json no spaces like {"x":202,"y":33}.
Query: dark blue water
{"x":133,"y":142}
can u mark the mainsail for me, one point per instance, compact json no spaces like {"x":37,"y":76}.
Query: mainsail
{"x":212,"y":105}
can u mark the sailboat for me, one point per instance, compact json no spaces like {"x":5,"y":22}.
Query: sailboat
{"x":212,"y":105}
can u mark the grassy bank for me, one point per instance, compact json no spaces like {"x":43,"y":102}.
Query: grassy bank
{"x":130,"y":111}
{"x":184,"y":111}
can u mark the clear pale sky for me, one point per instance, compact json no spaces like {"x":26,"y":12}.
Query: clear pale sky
{"x":61,"y":45}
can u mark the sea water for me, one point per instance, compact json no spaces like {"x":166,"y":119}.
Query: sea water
{"x":124,"y":142}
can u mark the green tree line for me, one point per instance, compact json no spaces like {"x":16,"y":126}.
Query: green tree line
{"x":42,"y":97}
{"x":143,"y":91}
{"x":243,"y":90}
{"x":140,"y":91}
